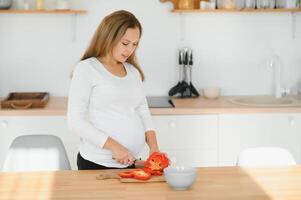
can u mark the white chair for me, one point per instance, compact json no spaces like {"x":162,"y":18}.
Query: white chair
{"x":36,"y":153}
{"x":265,"y":156}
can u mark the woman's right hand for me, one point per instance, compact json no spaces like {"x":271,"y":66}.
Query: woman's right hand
{"x":121,"y":154}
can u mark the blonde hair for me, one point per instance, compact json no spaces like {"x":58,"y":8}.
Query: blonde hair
{"x":110,"y":32}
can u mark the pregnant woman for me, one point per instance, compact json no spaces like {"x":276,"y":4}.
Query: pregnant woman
{"x":107,"y":107}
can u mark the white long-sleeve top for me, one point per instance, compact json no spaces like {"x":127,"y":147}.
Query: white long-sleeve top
{"x":103,"y":105}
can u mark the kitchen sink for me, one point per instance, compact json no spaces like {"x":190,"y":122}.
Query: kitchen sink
{"x":266,"y":101}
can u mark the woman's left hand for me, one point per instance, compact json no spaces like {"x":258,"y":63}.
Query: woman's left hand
{"x":152,"y":150}
{"x":151,"y":140}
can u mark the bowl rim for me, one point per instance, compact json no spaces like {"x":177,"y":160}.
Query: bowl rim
{"x":188,"y":170}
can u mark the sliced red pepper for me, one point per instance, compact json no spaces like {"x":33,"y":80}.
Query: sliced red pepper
{"x":141,"y":175}
{"x":157,"y":161}
{"x":126,"y":174}
{"x":157,"y":173}
{"x":153,"y":172}
{"x":147,"y":170}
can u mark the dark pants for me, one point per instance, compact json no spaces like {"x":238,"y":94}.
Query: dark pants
{"x":83,"y":164}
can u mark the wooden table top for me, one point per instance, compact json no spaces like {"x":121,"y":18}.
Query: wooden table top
{"x":231,"y":183}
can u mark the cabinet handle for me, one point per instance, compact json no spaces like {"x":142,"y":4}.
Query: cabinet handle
{"x":21,"y":107}
{"x":4,"y":124}
{"x":291,"y":121}
{"x":172,"y":124}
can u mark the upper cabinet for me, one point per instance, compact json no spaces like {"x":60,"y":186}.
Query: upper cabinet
{"x":190,"y":6}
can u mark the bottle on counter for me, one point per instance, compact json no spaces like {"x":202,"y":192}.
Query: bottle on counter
{"x":39,"y":4}
{"x":204,"y":4}
{"x":186,"y":4}
{"x":262,"y":4}
{"x":63,"y":4}
{"x":250,"y":4}
{"x":230,"y":4}
{"x":299,"y":87}
{"x":265,"y":4}
{"x":212,"y":4}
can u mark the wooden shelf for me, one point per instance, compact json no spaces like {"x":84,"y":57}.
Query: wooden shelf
{"x":234,"y":10}
{"x":43,"y":11}
{"x":197,"y":9}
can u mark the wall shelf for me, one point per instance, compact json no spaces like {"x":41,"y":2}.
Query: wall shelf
{"x":43,"y":11}
{"x":235,"y":10}
{"x":197,"y":9}
{"x":292,"y":11}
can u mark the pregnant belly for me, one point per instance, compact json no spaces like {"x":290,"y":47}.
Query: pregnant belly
{"x":129,"y":132}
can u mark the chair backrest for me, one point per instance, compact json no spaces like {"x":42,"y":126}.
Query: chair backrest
{"x":265,"y":156}
{"x":36,"y":153}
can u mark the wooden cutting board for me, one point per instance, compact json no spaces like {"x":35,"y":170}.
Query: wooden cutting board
{"x":114,"y":175}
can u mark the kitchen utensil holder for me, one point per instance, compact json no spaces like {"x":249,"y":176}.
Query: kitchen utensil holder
{"x":184,"y":87}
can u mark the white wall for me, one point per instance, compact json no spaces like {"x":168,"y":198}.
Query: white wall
{"x":231,"y":49}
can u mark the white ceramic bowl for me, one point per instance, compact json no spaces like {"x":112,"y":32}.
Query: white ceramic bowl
{"x":180,"y":178}
{"x":211,"y":92}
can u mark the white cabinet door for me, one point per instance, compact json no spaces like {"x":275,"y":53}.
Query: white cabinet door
{"x":11,"y":127}
{"x":189,"y":139}
{"x":237,"y":132}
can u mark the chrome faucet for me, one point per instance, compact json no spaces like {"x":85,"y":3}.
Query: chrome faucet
{"x":276,"y":65}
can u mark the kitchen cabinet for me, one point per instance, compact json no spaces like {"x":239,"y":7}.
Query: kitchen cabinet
{"x":13,"y":126}
{"x":188,"y":139}
{"x":197,"y":140}
{"x":240,"y":131}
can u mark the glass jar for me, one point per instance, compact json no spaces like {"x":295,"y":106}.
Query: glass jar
{"x":292,"y":4}
{"x":62,"y":4}
{"x":186,"y":4}
{"x":230,"y":4}
{"x":299,"y":87}
{"x":39,"y":4}
{"x":250,"y":4}
{"x":212,"y":4}
{"x":239,"y":4}
{"x":220,"y":4}
{"x":225,"y":4}
{"x":280,"y":3}
{"x":261,"y":4}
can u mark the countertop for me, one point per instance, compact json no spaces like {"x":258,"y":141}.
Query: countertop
{"x":57,"y":106}
{"x":218,"y":183}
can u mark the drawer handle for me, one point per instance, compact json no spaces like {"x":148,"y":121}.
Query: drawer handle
{"x":291,"y":121}
{"x":4,"y":124}
{"x":172,"y":124}
{"x":21,"y":107}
